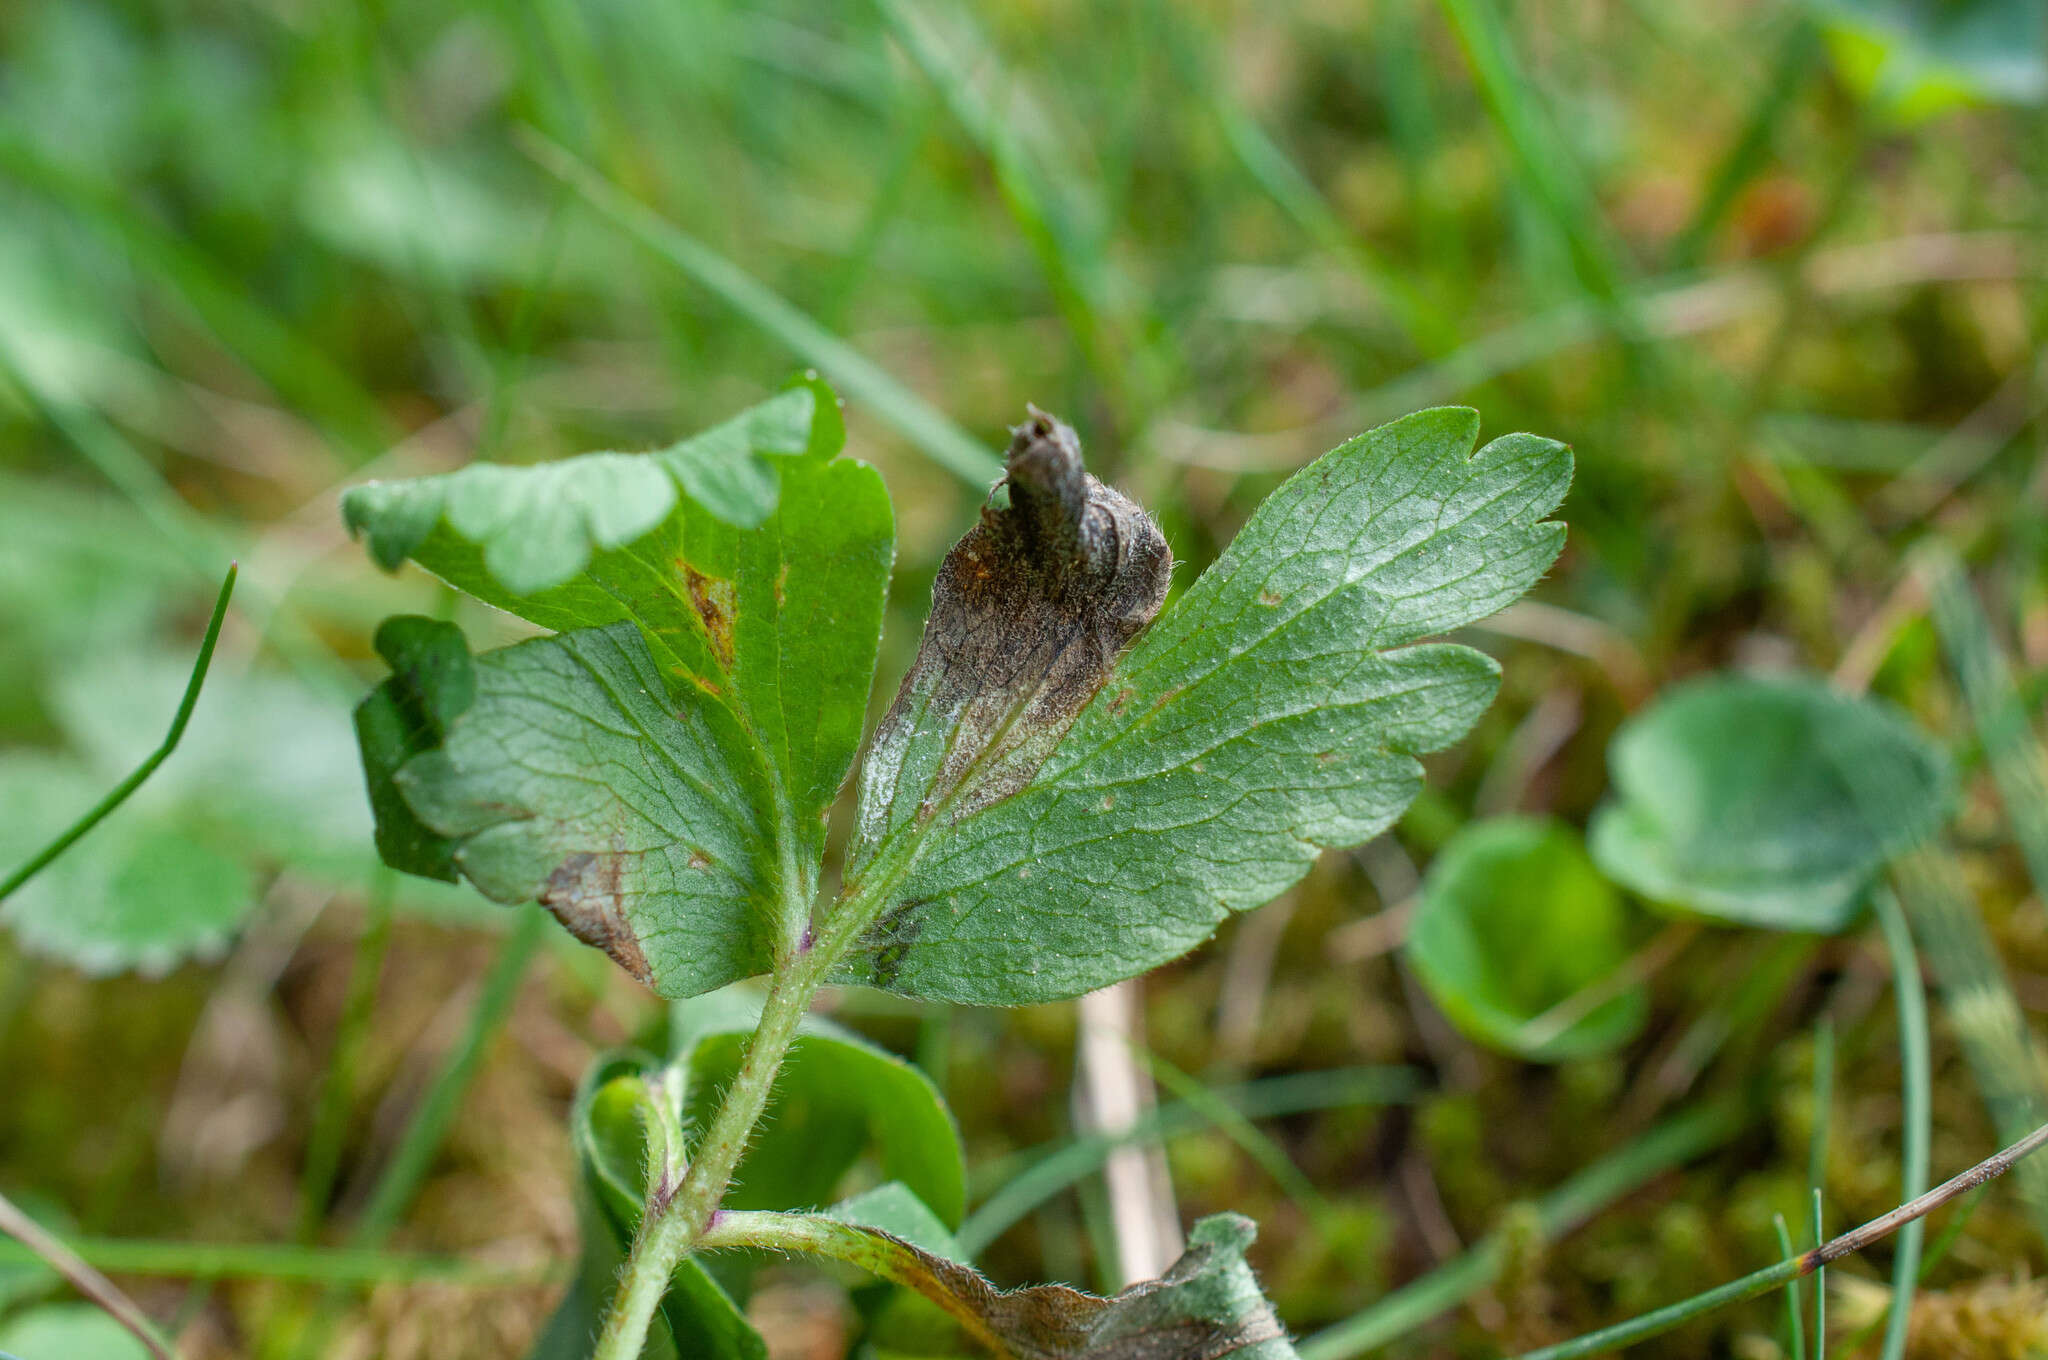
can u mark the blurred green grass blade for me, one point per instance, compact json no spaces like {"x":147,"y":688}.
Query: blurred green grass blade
{"x":1817,"y":1165}
{"x":855,"y":375}
{"x":1299,"y":198}
{"x":427,"y":1130}
{"x":1045,"y":1172}
{"x":1975,"y":991}
{"x":194,"y":538}
{"x":1071,"y":261}
{"x":2019,"y":767}
{"x":1798,"y":60}
{"x":288,"y":1263}
{"x":293,"y":367}
{"x":337,"y":1092}
{"x":1611,"y":1339}
{"x":123,"y":465}
{"x":1916,"y":1077}
{"x":1408,"y":86}
{"x":1544,"y":164}
{"x":1988,"y":1021}
{"x":1938,"y":1250}
{"x":1668,"y":1145}
{"x":1823,"y":1104}
{"x":1268,"y":1155}
{"x":1795,"y":1327}
{"x":120,"y":792}
{"x":1820,"y":1283}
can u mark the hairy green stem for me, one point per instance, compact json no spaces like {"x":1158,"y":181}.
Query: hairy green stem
{"x":678,"y":1214}
{"x":880,"y":1256}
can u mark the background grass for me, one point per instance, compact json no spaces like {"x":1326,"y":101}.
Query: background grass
{"x":250,"y":253}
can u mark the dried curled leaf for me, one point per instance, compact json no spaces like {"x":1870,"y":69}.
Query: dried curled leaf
{"x":1029,"y":611}
{"x":1207,"y":1306}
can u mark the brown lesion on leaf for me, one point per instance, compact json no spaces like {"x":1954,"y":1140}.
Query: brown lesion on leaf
{"x":1030,"y":611}
{"x":586,"y":893}
{"x":716,"y":604}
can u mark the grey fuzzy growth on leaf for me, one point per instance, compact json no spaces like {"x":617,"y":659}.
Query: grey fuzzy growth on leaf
{"x":1030,"y":610}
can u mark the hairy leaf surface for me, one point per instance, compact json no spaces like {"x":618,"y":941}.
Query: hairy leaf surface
{"x":1277,"y":709}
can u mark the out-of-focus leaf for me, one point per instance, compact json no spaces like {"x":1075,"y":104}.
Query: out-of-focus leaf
{"x":1513,"y":921}
{"x":1055,"y":818}
{"x":69,"y":1331}
{"x":146,"y":891}
{"x":1735,"y":797}
{"x":1915,"y":58}
{"x":657,"y":774}
{"x":1206,"y":1307}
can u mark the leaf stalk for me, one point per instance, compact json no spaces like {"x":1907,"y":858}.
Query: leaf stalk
{"x":673,"y":1227}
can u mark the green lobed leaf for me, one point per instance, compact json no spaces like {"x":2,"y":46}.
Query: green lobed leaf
{"x":1736,"y":797}
{"x":1513,"y":921}
{"x":1111,"y":815}
{"x":658,"y":774}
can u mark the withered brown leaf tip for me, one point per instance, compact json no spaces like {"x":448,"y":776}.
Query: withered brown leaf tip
{"x":1029,"y":611}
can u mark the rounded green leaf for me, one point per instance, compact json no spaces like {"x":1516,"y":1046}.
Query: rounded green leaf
{"x":75,"y":1331}
{"x":142,"y":890}
{"x":1766,"y":801}
{"x":1513,"y":926}
{"x":1918,"y":58}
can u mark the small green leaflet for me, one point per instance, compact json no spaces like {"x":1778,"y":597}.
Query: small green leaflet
{"x":658,"y":773}
{"x":1278,"y":708}
{"x":1514,"y":931}
{"x":1766,"y":801}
